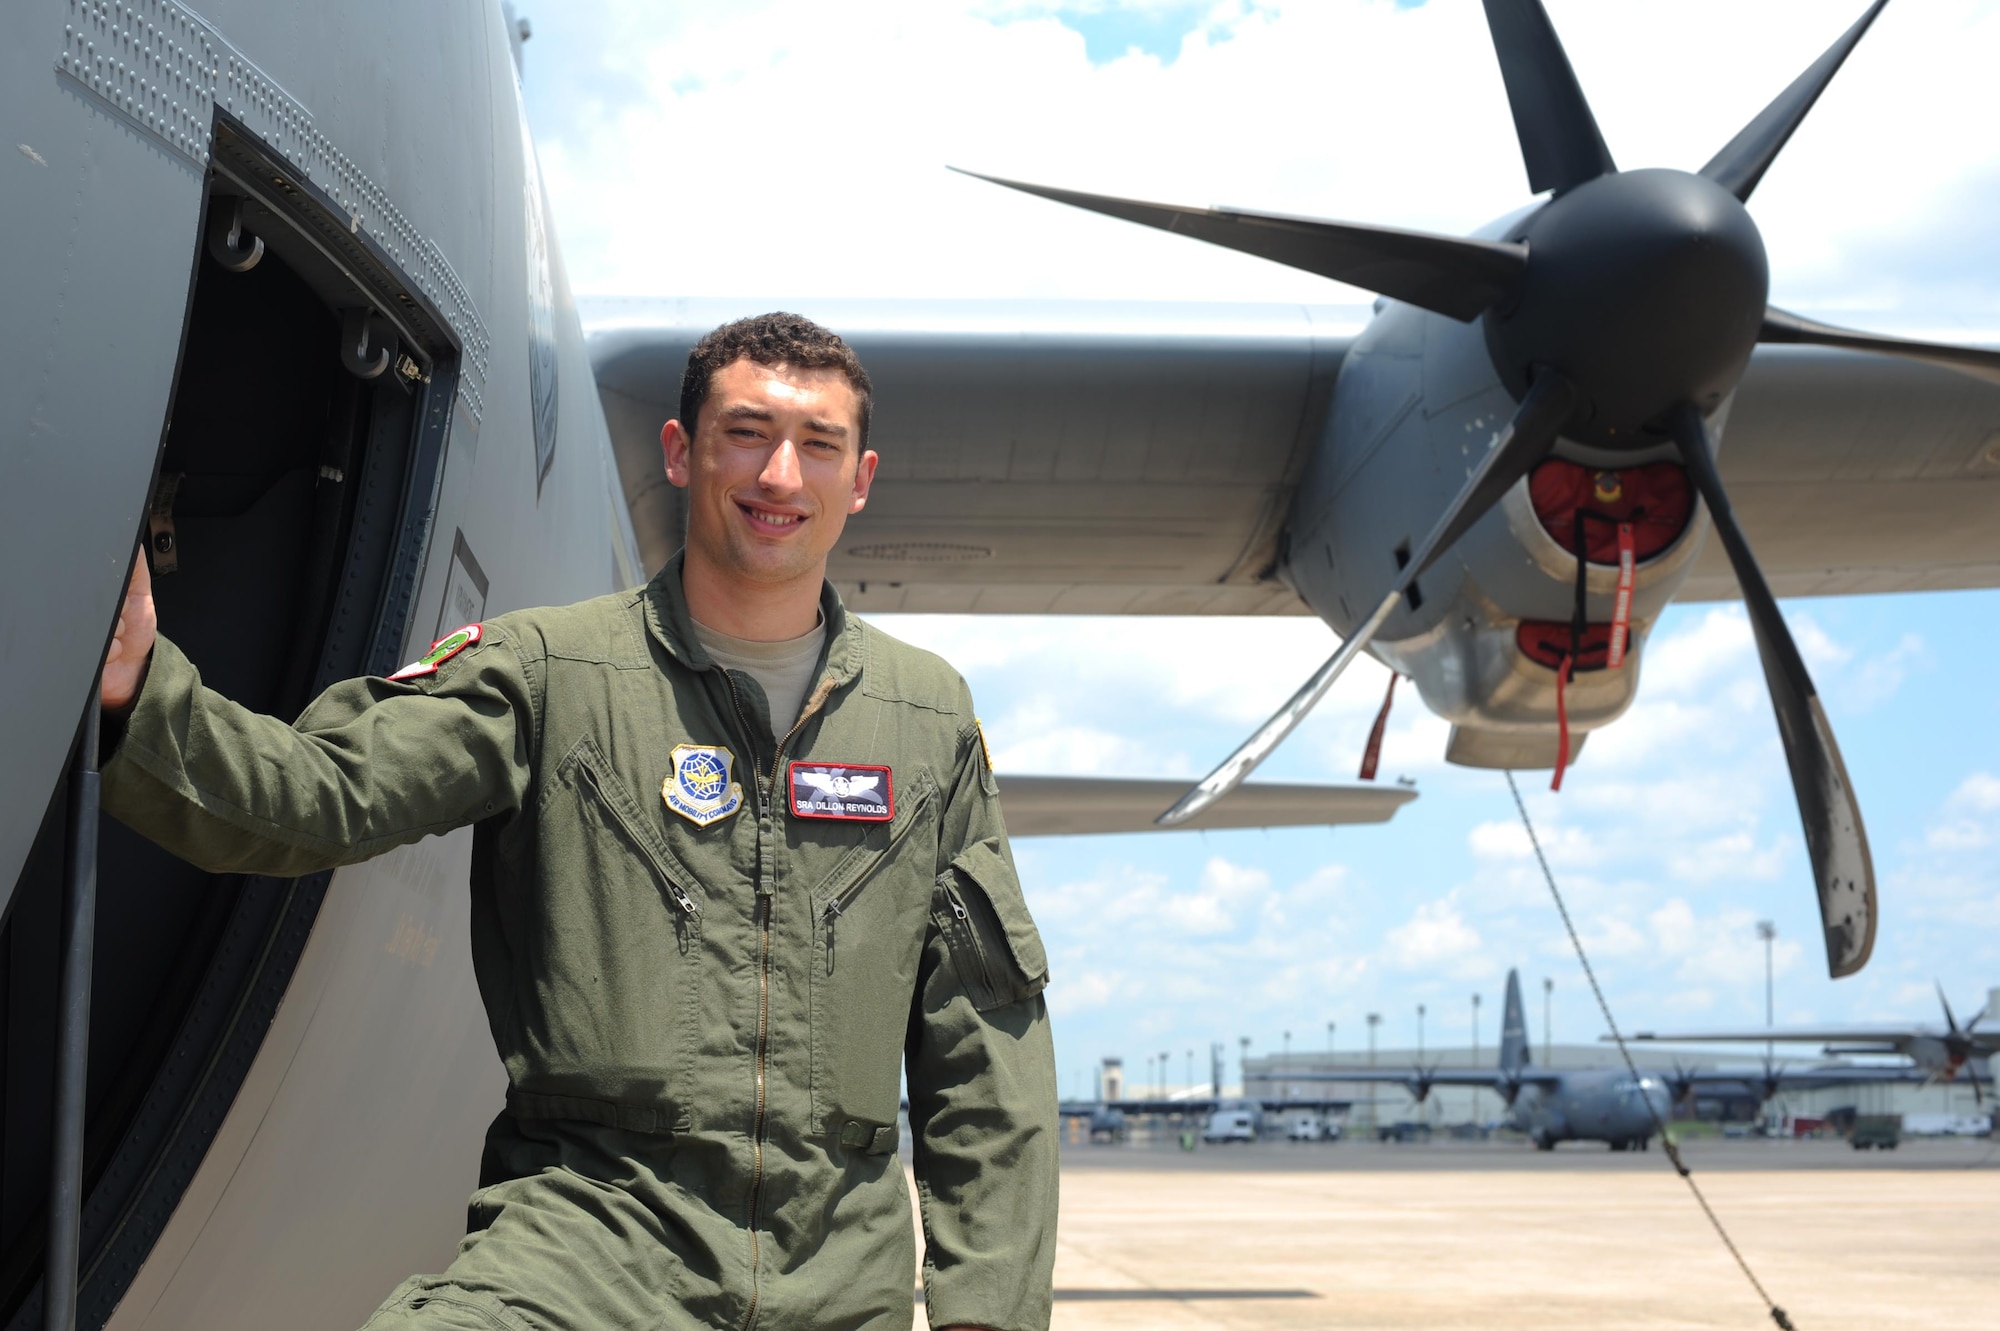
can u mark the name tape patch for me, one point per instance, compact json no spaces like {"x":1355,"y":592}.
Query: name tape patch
{"x":856,"y":792}
{"x":450,"y":645}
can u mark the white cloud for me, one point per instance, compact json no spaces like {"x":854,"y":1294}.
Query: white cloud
{"x":1433,"y":938}
{"x":1978,"y":793}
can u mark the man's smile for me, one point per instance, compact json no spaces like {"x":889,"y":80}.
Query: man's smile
{"x":770,"y":519}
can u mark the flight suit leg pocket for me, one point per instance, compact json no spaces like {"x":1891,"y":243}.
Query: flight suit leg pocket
{"x":985,"y":921}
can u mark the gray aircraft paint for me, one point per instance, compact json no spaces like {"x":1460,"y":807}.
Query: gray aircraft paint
{"x":371,"y":1088}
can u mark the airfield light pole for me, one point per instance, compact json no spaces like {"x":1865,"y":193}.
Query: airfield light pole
{"x":1548,"y":993}
{"x":1374,"y":1020}
{"x":1420,"y":1032}
{"x":1768,"y":931}
{"x":1165,"y":1054}
{"x":1475,"y":1030}
{"x":1243,"y":1063}
{"x":1329,"y":1042}
{"x":1286,"y":1064}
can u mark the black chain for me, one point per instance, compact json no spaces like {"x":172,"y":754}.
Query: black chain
{"x":1667,"y":1144}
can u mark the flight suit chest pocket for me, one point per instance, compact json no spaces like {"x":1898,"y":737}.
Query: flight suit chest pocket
{"x":608,"y":984}
{"x":985,"y":921}
{"x":870,"y":914}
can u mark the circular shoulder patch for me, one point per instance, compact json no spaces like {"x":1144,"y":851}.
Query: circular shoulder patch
{"x":450,"y":645}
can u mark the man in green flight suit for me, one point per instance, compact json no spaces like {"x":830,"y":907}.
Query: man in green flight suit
{"x":738,"y":861}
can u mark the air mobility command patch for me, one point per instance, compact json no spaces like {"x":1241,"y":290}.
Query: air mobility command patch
{"x":450,"y":645}
{"x":851,"y":791}
{"x":699,"y":788}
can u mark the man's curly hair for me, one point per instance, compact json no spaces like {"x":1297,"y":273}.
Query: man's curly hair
{"x":790,"y":340}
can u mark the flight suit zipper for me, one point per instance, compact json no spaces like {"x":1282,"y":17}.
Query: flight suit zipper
{"x":974,"y":944}
{"x":764,"y":792}
{"x":837,"y":904}
{"x":680,"y":895}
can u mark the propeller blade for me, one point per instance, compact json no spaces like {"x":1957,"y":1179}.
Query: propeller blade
{"x":1951,"y":1022}
{"x":1447,"y":275}
{"x":1745,"y":158}
{"x":1835,"y":838}
{"x":1524,"y":442}
{"x":1560,"y":142}
{"x":1979,"y":362}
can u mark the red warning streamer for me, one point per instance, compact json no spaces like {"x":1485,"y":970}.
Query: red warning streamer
{"x":1621,"y":603}
{"x":1371,"y":755}
{"x":1562,"y":723}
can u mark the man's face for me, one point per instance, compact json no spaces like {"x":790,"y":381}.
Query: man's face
{"x":773,"y":469}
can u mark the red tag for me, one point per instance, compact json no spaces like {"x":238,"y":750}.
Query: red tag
{"x":851,"y":792}
{"x":1372,"y":755}
{"x":1621,"y":603}
{"x":1562,"y":724}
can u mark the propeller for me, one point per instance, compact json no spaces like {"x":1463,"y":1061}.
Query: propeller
{"x":1620,"y":314}
{"x":1960,"y":1048}
{"x":1681,"y":1084}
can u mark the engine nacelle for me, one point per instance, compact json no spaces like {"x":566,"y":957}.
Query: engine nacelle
{"x":1483,"y":633}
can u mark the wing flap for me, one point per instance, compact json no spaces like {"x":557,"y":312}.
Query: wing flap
{"x":1083,"y":805}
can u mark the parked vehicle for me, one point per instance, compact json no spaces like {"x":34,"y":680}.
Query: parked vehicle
{"x":1232,"y":1125}
{"x":1884,"y":1132}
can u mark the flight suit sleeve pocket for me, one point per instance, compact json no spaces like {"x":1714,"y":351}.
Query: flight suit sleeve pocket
{"x":992,"y":937}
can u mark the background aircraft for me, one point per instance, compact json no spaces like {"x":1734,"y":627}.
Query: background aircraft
{"x":1942,"y":1052}
{"x":1596,"y":1104}
{"x":285,"y":302}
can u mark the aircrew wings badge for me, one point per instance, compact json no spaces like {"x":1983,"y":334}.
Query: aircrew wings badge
{"x":699,"y":788}
{"x":850,"y":791}
{"x":450,"y":645}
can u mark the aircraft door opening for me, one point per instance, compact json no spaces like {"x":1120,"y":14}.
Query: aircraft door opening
{"x":286,"y":531}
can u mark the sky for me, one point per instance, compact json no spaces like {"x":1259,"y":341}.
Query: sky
{"x":794,"y":150}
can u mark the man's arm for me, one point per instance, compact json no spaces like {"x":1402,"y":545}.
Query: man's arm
{"x":981,"y":1071}
{"x":371,"y":764}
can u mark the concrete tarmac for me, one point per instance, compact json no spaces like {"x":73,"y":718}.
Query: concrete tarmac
{"x":1495,"y":1235}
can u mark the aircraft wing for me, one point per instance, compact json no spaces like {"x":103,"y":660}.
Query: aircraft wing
{"x":1490,"y":1078}
{"x":1091,"y":458}
{"x":1802,"y":1079}
{"x":1127,"y":458}
{"x":1877,"y":1034}
{"x":1074,"y":805}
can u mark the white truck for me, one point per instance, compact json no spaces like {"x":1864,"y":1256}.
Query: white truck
{"x":1233,"y":1123}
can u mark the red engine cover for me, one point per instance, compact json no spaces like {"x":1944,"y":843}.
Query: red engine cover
{"x":1656,"y":499}
{"x":1546,"y":643}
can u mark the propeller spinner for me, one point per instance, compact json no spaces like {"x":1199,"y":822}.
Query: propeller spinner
{"x":1619,"y":314}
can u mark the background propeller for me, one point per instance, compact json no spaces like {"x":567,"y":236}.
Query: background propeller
{"x":1960,"y":1048}
{"x":1620,"y":314}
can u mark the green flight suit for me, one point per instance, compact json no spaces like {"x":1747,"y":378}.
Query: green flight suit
{"x":702,"y":1022}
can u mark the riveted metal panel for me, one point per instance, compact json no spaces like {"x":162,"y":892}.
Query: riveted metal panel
{"x":164,"y":70}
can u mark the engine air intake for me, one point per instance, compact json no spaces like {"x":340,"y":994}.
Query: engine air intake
{"x":1655,"y":498}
